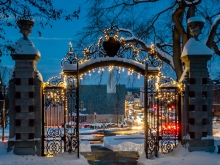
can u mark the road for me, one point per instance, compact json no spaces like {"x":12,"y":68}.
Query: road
{"x":100,"y":155}
{"x":119,"y":131}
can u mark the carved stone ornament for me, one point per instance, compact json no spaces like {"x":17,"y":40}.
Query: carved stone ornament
{"x":195,"y":25}
{"x":25,"y":27}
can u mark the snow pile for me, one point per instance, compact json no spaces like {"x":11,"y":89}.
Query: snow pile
{"x":85,"y":146}
{"x":25,"y":47}
{"x":193,"y":47}
{"x":128,"y":146}
{"x":125,"y":143}
{"x":181,"y":155}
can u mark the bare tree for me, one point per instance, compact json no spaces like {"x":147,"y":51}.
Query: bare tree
{"x":162,"y":23}
{"x":4,"y":75}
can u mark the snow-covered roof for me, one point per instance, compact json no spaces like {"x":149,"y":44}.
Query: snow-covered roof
{"x":92,"y":61}
{"x":195,"y":19}
{"x":25,"y":47}
{"x":194,"y":47}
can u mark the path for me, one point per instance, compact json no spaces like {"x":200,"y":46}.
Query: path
{"x":100,"y":155}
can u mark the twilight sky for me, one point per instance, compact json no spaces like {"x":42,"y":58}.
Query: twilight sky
{"x":54,"y":43}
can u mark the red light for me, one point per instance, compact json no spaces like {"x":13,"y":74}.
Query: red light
{"x":168,"y":127}
{"x":155,"y":107}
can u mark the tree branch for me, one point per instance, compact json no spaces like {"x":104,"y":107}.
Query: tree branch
{"x":212,"y":32}
{"x":129,"y":4}
{"x":216,"y":49}
{"x":3,"y":3}
{"x":176,"y":19}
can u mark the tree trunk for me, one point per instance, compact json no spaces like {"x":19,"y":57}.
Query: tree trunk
{"x":177,"y":53}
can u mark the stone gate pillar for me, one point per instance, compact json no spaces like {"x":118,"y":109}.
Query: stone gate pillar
{"x":25,"y":93}
{"x":195,"y":55}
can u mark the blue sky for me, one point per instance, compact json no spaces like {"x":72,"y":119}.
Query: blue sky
{"x":54,"y":43}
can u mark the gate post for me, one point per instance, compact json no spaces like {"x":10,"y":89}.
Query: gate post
{"x":184,"y":111}
{"x":146,"y":110}
{"x":25,"y":92}
{"x":195,"y":55}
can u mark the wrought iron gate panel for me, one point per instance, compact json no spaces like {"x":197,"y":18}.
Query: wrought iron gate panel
{"x":163,"y":126}
{"x":54,"y":119}
{"x":71,"y":94}
{"x":168,"y":118}
{"x":59,"y":97}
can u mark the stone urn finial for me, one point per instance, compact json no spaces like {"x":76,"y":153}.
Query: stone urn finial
{"x":25,"y":23}
{"x":25,"y":26}
{"x":195,"y":25}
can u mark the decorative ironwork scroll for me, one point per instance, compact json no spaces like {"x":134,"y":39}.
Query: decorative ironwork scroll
{"x":59,"y":106}
{"x":70,"y":57}
{"x":163,"y":115}
{"x":54,"y":119}
{"x":111,"y":41}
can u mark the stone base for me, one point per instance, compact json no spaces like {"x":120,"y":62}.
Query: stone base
{"x":25,"y":147}
{"x":24,"y":151}
{"x":10,"y":146}
{"x":201,"y":145}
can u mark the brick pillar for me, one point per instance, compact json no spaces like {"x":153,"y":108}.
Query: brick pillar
{"x":195,"y":56}
{"x":25,"y":107}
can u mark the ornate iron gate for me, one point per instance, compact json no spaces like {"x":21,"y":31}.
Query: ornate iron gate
{"x":163,"y":116}
{"x":59,"y":97}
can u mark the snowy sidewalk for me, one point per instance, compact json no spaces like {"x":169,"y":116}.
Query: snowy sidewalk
{"x":59,"y":159}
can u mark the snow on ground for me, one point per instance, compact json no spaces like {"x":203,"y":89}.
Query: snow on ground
{"x":85,"y":146}
{"x":60,"y":159}
{"x":179,"y":156}
{"x":125,"y":143}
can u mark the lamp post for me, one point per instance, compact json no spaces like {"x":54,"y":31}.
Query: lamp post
{"x":94,"y":120}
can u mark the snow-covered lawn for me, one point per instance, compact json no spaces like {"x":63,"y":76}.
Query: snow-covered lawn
{"x":60,"y":159}
{"x":179,"y":156}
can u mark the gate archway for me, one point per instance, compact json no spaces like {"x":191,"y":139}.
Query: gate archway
{"x":156,"y":134}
